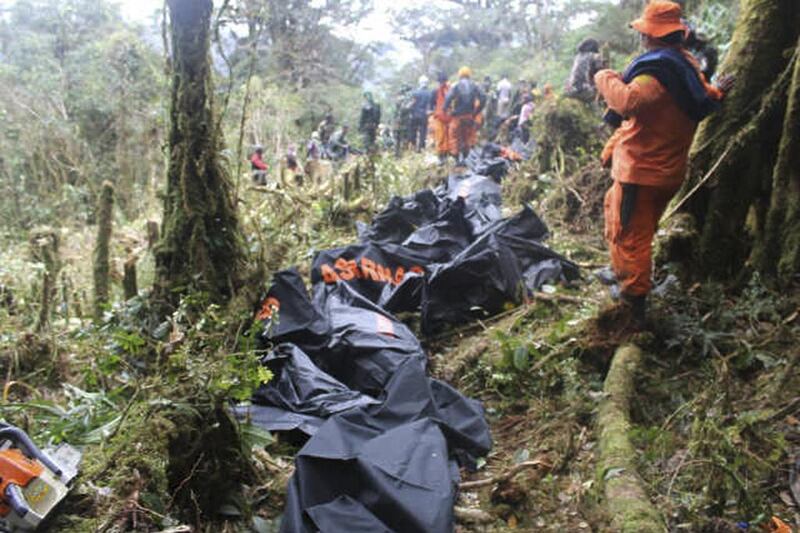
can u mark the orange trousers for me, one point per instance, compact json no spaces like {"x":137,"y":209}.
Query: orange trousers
{"x":631,"y":246}
{"x":473,"y":138}
{"x":441,"y":135}
{"x":462,"y":134}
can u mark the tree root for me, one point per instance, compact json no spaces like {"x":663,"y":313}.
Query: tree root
{"x":456,"y":366}
{"x":626,"y":498}
{"x":505,"y":476}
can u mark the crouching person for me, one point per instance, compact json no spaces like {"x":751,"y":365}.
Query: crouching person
{"x":258,"y":168}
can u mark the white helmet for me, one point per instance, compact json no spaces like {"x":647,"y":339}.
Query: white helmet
{"x":423,"y":81}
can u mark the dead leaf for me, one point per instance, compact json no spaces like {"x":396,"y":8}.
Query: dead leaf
{"x":512,"y":522}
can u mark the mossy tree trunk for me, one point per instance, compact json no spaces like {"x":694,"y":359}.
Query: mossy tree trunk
{"x":44,"y":244}
{"x":778,"y":251}
{"x":201,"y":248}
{"x":749,"y":213}
{"x":102,"y":254}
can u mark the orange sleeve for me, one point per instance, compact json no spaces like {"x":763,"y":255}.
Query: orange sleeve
{"x":608,"y":149}
{"x":627,"y":99}
{"x":713,"y":91}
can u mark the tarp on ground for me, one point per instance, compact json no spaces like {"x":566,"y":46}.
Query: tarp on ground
{"x":482,"y":199}
{"x":443,"y":238}
{"x":401,"y":217}
{"x":343,"y":333}
{"x":367,"y":268}
{"x":385,"y":440}
{"x":498,"y":271}
{"x":395,"y":459}
{"x":385,"y":460}
{"x":300,"y":395}
{"x":487,"y":160}
{"x":446,"y":269}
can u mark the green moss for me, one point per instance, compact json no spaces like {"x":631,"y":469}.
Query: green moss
{"x":566,"y":134}
{"x":131,"y":465}
{"x":44,"y":244}
{"x":626,"y":499}
{"x":202,"y":247}
{"x":139,"y":446}
{"x":745,"y":132}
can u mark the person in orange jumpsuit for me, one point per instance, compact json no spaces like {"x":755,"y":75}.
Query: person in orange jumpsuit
{"x":464,"y":102}
{"x":657,"y":104}
{"x":440,"y":120}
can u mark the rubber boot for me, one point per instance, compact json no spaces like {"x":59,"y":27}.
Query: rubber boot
{"x":638,"y":307}
{"x":606,"y":276}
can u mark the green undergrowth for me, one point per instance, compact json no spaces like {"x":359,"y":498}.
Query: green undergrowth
{"x":714,"y":414}
{"x":716,"y":425}
{"x":144,"y":398}
{"x":143,"y":395}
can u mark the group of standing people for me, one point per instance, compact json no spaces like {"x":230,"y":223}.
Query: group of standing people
{"x":654,"y":107}
{"x":457,"y":113}
{"x":453,"y":114}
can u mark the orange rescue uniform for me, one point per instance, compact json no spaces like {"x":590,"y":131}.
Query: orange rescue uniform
{"x":463,"y":133}
{"x":650,"y":150}
{"x":473,"y":139}
{"x":441,"y":121}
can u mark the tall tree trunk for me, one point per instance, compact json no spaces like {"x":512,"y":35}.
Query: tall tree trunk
{"x":202,"y":248}
{"x":745,"y":139}
{"x":778,"y":252}
{"x":102,"y":249}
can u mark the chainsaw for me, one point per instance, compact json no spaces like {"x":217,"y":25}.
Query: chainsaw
{"x":32,"y":481}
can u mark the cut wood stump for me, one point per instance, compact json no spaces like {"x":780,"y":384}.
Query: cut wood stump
{"x":152,"y":233}
{"x":129,"y":281}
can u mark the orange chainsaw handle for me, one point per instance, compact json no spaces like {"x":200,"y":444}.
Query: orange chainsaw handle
{"x":16,"y":471}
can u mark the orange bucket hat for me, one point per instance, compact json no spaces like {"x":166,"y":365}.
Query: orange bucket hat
{"x":660,"y":18}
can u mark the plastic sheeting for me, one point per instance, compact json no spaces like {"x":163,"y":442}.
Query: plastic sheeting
{"x":464,"y":263}
{"x":395,"y":458}
{"x":487,"y":160}
{"x":347,"y":336}
{"x":385,"y":441}
{"x":482,"y":199}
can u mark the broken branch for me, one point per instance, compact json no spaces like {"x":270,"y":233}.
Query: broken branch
{"x":471,"y":485}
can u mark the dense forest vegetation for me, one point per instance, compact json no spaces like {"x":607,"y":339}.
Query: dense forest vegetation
{"x":137,"y":251}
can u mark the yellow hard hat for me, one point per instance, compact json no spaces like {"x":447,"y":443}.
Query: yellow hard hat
{"x":465,"y":72}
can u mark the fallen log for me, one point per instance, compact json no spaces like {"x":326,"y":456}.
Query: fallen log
{"x":466,"y":359}
{"x":627,"y":502}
